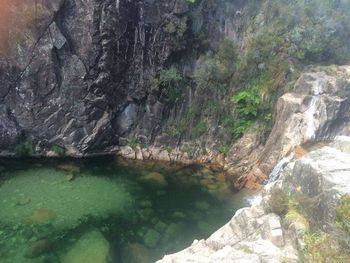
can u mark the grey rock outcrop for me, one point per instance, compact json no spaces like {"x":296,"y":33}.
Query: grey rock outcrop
{"x":319,"y":180}
{"x":316,"y":110}
{"x":77,"y":76}
{"x":250,"y":236}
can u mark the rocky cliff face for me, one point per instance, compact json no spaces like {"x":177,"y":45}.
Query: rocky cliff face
{"x":77,"y":74}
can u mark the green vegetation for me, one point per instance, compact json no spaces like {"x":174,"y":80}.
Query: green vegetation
{"x":215,"y":71}
{"x":260,"y":70}
{"x":280,"y":41}
{"x":240,"y":82}
{"x":25,"y":148}
{"x":330,"y":247}
{"x":60,"y":151}
{"x":169,"y":84}
{"x":247,"y":103}
{"x":321,"y":247}
{"x":200,"y":129}
{"x":333,"y":246}
{"x":223,"y":149}
{"x":317,"y":30}
{"x":133,"y":143}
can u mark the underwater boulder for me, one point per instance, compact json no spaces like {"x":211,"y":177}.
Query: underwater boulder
{"x":91,"y":247}
{"x":155,"y":178}
{"x":136,"y":253}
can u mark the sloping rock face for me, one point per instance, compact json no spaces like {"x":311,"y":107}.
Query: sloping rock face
{"x":316,"y":110}
{"x":251,"y":236}
{"x":318,"y":181}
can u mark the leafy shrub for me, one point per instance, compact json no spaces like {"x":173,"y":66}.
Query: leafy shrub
{"x":240,"y":126}
{"x":247,"y":103}
{"x":170,"y":83}
{"x":60,"y":151}
{"x":25,"y":148}
{"x":317,"y":31}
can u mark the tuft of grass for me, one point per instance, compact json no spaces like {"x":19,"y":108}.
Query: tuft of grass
{"x":342,"y":222}
{"x":322,"y":247}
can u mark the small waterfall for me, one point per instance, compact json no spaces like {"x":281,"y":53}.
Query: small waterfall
{"x":255,"y":199}
{"x":310,"y":132}
{"x":317,"y":90}
{"x":275,"y":174}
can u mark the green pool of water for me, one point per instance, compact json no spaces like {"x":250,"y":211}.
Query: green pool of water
{"x":100,"y":210}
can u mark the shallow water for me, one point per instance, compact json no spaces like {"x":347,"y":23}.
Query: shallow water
{"x":51,"y":209}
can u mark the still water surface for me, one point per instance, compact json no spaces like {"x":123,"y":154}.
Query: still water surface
{"x":108,"y":210}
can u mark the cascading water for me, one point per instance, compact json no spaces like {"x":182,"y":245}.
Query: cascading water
{"x":274,"y":175}
{"x":310,"y":132}
{"x":311,"y":121}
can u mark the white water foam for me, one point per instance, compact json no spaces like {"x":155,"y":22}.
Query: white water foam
{"x":310,"y":132}
{"x":275,"y":173}
{"x":255,"y":199}
{"x":310,"y":119}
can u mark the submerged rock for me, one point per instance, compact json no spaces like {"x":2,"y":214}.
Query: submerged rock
{"x":202,"y":205}
{"x":136,"y":253}
{"x":70,"y":168}
{"x":151,"y":238}
{"x":41,"y":216}
{"x":155,"y":178}
{"x":23,"y":201}
{"x":91,"y":247}
{"x":172,"y":232}
{"x":37,"y":248}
